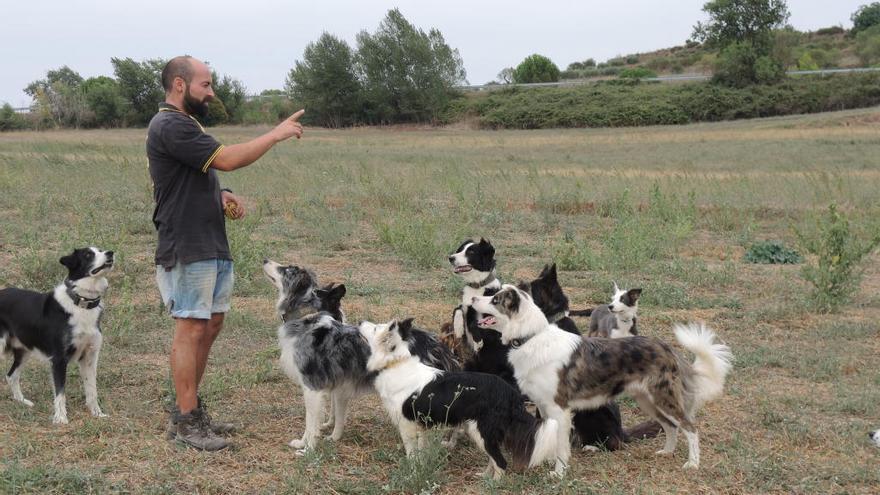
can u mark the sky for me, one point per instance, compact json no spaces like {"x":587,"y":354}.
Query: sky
{"x":258,"y":41}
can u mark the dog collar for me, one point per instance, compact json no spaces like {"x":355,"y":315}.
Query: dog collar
{"x":394,"y":363}
{"x":517,"y":343}
{"x":78,"y":300}
{"x":287,"y":316}
{"x":486,"y":281}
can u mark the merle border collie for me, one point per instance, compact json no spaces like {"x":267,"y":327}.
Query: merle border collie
{"x":61,"y":326}
{"x":618,"y":318}
{"x":418,"y":396}
{"x":562,"y":372}
{"x":323,"y":354}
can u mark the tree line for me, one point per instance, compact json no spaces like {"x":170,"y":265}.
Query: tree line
{"x":400,"y":73}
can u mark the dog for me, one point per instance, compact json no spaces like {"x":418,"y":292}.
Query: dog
{"x":326,"y":356}
{"x":875,"y":437}
{"x":474,"y":262}
{"x":62,"y":326}
{"x":617,"y":319}
{"x":562,"y":372}
{"x":418,"y":396}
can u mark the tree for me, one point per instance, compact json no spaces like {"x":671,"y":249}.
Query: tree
{"x":232,"y":93}
{"x":865,"y":17}
{"x":868,"y":45}
{"x":59,"y":97}
{"x":506,"y":75}
{"x":104,"y":98}
{"x":407,"y":74}
{"x":741,"y":21}
{"x":326,"y":83}
{"x":536,"y":69}
{"x":9,"y":120}
{"x":742,"y":30}
{"x":141,"y":86}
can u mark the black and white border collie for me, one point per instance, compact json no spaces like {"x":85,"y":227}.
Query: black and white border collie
{"x":474,"y":262}
{"x":61,"y":326}
{"x":618,"y":318}
{"x":875,"y":437}
{"x":323,"y":354}
{"x":418,"y":396}
{"x":562,"y":372}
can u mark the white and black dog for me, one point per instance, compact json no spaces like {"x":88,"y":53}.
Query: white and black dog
{"x":418,"y":396}
{"x":563,"y":372}
{"x":61,"y":326}
{"x":617,"y":319}
{"x":326,"y":356}
{"x":474,"y":262}
{"x":875,"y":437}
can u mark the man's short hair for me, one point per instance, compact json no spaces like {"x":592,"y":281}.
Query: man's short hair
{"x":177,"y":67}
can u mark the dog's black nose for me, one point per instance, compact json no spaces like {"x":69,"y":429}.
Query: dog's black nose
{"x":452,"y":259}
{"x":109,"y":254}
{"x":265,"y":260}
{"x":610,"y":307}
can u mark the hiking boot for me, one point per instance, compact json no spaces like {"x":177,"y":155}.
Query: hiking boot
{"x":192,"y":430}
{"x":218,"y":427}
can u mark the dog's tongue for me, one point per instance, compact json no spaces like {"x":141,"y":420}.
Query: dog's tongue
{"x":485,"y":322}
{"x":461,"y":269}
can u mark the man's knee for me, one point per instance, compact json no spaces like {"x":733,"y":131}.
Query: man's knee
{"x":191,"y":329}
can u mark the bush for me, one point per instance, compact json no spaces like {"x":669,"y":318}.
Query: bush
{"x":739,"y":65}
{"x":9,"y":120}
{"x":836,"y":275}
{"x":632,"y":59}
{"x":772,"y":253}
{"x":636,"y":73}
{"x":868,"y":45}
{"x":536,"y":69}
{"x":628,"y":103}
{"x":829,"y":31}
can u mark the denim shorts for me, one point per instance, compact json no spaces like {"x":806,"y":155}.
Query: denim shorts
{"x":198,"y":289}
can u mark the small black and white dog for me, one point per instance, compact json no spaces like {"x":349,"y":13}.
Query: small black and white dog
{"x":61,"y":326}
{"x":617,"y":319}
{"x":326,"y":356}
{"x":875,"y":437}
{"x":474,"y":262}
{"x":418,"y":396}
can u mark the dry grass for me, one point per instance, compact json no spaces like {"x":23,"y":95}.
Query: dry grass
{"x":685,"y":200}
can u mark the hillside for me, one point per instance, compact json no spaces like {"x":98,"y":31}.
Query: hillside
{"x":827,"y":48}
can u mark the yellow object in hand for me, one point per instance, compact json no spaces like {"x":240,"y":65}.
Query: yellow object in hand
{"x":231,"y":210}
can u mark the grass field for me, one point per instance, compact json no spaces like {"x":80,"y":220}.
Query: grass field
{"x":669,"y":209}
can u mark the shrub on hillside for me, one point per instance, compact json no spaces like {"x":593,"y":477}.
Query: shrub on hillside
{"x":636,"y":73}
{"x":536,"y":69}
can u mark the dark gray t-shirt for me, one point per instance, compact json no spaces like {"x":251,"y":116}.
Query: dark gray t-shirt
{"x":189,"y":212}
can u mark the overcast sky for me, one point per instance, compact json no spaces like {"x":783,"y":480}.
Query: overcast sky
{"x":258,"y":41}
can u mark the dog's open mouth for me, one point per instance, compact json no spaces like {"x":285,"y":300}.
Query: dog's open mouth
{"x":105,"y":266}
{"x":462,"y":269}
{"x":486,"y":321}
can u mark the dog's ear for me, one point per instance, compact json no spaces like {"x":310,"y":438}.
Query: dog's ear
{"x":486,"y":247}
{"x":71,"y":261}
{"x":403,"y":328}
{"x":336,"y":293}
{"x":549,"y":273}
{"x":524,"y":286}
{"x":634,"y":295}
{"x":616,"y":289}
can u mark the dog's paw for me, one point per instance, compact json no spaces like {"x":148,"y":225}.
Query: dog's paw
{"x":691,"y":465}
{"x":334,"y":436}
{"x":26,"y":402}
{"x":300,"y":452}
{"x":297,"y":444}
{"x":60,"y":420}
{"x":663,"y":452}
{"x":590,"y":448}
{"x":100,"y":414}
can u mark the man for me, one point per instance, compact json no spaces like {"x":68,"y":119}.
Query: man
{"x":194,"y":269}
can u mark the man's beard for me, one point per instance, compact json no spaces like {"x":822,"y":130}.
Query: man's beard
{"x":193,"y":106}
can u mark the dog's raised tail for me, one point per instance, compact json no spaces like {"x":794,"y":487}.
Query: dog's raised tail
{"x":712,"y":363}
{"x":531,"y":441}
{"x":580,"y":312}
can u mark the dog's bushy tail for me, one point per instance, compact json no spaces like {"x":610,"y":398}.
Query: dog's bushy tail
{"x":531,"y":441}
{"x":712,"y":363}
